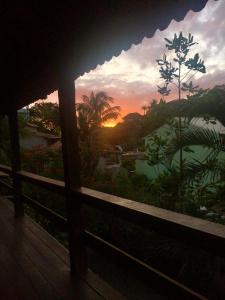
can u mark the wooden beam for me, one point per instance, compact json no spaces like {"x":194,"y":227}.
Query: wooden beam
{"x":53,"y":185}
{"x":16,"y":163}
{"x":200,"y":233}
{"x":206,"y":235}
{"x":71,"y":160}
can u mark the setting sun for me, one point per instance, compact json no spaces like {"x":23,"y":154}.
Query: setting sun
{"x":110,"y":124}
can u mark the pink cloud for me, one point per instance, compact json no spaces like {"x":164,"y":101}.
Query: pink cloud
{"x":132,"y":78}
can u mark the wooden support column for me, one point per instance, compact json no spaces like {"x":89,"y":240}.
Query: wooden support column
{"x":71,"y":160}
{"x":15,"y":162}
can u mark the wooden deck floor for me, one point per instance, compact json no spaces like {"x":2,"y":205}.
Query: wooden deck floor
{"x":33,"y":265}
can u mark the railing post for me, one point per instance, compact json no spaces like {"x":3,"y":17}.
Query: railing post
{"x":71,"y":160}
{"x":15,"y":162}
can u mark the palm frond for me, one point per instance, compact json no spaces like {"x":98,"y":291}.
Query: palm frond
{"x":113,"y":109}
{"x":110,"y":116}
{"x":104,"y":97}
{"x":196,"y":136}
{"x":213,"y":169}
{"x":85,"y":99}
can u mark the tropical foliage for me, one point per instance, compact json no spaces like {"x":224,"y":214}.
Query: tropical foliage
{"x":92,"y":113}
{"x":46,"y":116}
{"x":164,"y":191}
{"x":211,"y":166}
{"x":177,"y":73}
{"x":96,"y":109}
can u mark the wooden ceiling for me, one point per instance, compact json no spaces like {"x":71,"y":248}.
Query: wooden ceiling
{"x":43,"y":41}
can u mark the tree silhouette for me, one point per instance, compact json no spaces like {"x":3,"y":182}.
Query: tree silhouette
{"x":179,"y":72}
{"x":96,"y":109}
{"x":93,"y":112}
{"x":145,"y":108}
{"x":190,"y":88}
{"x":46,"y":116}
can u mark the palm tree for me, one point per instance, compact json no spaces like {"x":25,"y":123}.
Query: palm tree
{"x":144,"y":107}
{"x":96,"y":109}
{"x":92,"y":113}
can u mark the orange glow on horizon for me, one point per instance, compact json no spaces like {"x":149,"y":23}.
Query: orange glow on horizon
{"x":110,"y":124}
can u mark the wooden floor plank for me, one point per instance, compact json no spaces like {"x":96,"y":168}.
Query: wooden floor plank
{"x":27,"y":267}
{"x":13,"y":280}
{"x":33,"y":265}
{"x":34,"y":234}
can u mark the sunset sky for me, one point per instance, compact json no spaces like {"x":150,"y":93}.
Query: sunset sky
{"x":132,"y":77}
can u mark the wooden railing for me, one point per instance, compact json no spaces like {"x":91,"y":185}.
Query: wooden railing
{"x":197,"y":232}
{"x":200,"y":233}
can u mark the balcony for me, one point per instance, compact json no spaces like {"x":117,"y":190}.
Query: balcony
{"x":33,"y":264}
{"x":200,"y":233}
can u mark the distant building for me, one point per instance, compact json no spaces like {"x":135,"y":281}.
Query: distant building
{"x":113,"y":159}
{"x":36,"y":139}
{"x":25,"y":113}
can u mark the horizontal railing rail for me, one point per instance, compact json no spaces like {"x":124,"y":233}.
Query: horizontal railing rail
{"x":200,"y":233}
{"x":5,"y":169}
{"x":45,"y":211}
{"x":195,"y":231}
{"x":54,"y":185}
{"x":144,"y":271}
{"x":6,"y":185}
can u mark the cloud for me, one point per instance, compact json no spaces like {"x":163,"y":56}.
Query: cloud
{"x":132,"y":78}
{"x":210,"y":80}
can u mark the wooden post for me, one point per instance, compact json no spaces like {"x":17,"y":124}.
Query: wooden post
{"x":15,"y":162}
{"x":71,"y":160}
